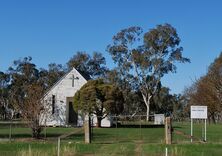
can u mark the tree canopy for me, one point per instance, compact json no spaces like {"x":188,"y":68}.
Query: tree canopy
{"x":4,"y":93}
{"x":91,"y":66}
{"x":99,"y":98}
{"x":51,"y":75}
{"x":208,"y":90}
{"x":26,"y":91}
{"x":144,"y":58}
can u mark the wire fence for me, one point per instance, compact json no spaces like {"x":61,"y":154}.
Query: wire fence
{"x":122,"y":129}
{"x":116,"y":129}
{"x":13,"y":129}
{"x":128,"y":129}
{"x":19,"y":130}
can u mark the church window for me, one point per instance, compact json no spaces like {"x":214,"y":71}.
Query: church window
{"x":53,"y":104}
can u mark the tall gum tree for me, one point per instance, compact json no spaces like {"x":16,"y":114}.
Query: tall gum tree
{"x":144,"y":58}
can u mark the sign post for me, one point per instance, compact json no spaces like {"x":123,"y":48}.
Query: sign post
{"x":191,"y":131}
{"x":205,"y":136}
{"x":198,"y":112}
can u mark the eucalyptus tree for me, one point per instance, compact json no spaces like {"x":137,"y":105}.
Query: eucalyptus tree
{"x":166,"y":103}
{"x":90,"y":66}
{"x":144,"y":58}
{"x":51,"y":75}
{"x":133,"y":103}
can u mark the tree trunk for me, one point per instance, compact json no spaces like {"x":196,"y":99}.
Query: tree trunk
{"x":147,"y":103}
{"x":147,"y":110}
{"x":36,"y":129}
{"x":99,"y":119}
{"x":36,"y":132}
{"x":213,"y":118}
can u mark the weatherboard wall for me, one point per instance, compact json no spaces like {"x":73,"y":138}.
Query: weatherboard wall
{"x":62,"y":90}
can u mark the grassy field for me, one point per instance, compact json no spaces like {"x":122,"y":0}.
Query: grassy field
{"x":112,"y":141}
{"x":119,"y":149}
{"x":214,"y":134}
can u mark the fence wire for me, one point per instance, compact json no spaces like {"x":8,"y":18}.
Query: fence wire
{"x":128,"y":129}
{"x":123,"y":129}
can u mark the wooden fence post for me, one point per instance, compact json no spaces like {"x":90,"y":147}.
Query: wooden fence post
{"x":168,"y":130}
{"x":87,"y":129}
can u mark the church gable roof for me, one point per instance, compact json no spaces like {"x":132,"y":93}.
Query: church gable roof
{"x":86,"y":78}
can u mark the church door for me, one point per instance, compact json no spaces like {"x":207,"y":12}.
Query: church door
{"x":71,"y":114}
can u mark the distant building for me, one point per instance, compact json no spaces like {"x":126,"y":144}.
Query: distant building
{"x":59,"y":102}
{"x":159,"y":119}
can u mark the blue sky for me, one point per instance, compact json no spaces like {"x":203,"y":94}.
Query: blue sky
{"x":52,"y":31}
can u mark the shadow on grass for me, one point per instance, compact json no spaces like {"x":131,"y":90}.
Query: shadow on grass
{"x":175,"y":127}
{"x":16,"y":135}
{"x":28,"y":135}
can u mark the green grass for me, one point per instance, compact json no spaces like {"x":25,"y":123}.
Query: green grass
{"x":214,"y":134}
{"x":120,"y":141}
{"x":25,"y":132}
{"x":18,"y":148}
{"x":109,"y":135}
{"x":119,"y":149}
{"x":184,"y":149}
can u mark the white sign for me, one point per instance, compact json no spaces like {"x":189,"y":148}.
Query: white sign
{"x":198,"y":112}
{"x":159,"y":119}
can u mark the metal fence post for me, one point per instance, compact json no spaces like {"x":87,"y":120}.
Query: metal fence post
{"x":166,"y":151}
{"x":10,"y":131}
{"x":140,"y":128}
{"x":91,"y":124}
{"x":58,"y":150}
{"x":45,"y":129}
{"x":116,"y":129}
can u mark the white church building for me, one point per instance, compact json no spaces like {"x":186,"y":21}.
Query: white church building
{"x":58,"y":101}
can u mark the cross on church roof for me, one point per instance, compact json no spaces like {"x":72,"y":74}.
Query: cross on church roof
{"x":73,"y":78}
